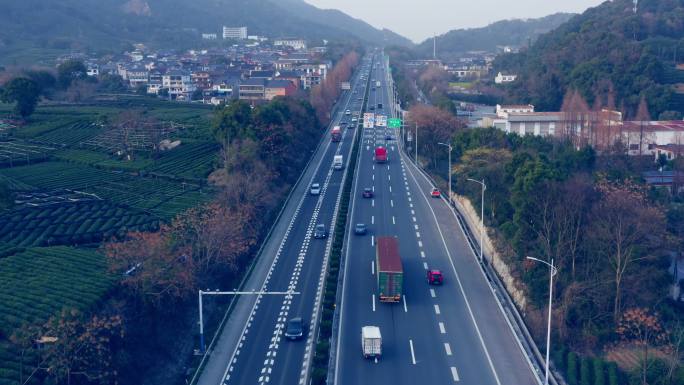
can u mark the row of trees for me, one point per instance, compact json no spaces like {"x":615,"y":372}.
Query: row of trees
{"x":607,"y":235}
{"x":324,"y":95}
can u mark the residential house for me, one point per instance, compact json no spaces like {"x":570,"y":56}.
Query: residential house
{"x":201,"y":80}
{"x":504,"y":78}
{"x":502,"y":111}
{"x":279,"y":88}
{"x":252,"y":89}
{"x":179,"y":84}
{"x":297,"y":44}
{"x":643,"y":137}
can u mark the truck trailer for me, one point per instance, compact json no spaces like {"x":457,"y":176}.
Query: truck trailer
{"x":390,"y":270}
{"x":371,"y":341}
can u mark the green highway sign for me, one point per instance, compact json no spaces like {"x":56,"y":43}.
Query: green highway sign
{"x":394,"y":123}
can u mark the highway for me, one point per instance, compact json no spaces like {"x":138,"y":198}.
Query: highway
{"x":251,"y":348}
{"x":455,"y":333}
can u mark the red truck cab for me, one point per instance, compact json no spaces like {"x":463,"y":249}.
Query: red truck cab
{"x":380,"y":154}
{"x":434,"y":277}
{"x":336,"y":134}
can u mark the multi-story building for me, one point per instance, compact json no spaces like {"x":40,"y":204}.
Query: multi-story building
{"x":235,"y":33}
{"x":504,"y":78}
{"x":209,"y":36}
{"x":179,"y":84}
{"x":290,"y":42}
{"x":278,"y":88}
{"x":253,"y":89}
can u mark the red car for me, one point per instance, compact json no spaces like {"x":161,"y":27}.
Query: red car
{"x":434,"y":277}
{"x":367,"y":193}
{"x":435,"y":193}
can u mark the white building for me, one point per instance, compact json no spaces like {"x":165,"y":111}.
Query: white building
{"x":179,"y":84}
{"x":234,"y":32}
{"x":502,"y":111}
{"x":209,"y":36}
{"x":290,"y":42}
{"x":501,"y":78}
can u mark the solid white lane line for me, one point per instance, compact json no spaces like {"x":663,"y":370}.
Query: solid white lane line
{"x":437,"y":309}
{"x":422,"y":254}
{"x":454,"y":374}
{"x":447,"y":347}
{"x":442,"y":329}
{"x":372,"y":240}
{"x":413,"y":355}
{"x":373,"y":302}
{"x":432,"y":293}
{"x":403,"y":297}
{"x":425,"y":265}
{"x":373,"y":269}
{"x":393,"y":221}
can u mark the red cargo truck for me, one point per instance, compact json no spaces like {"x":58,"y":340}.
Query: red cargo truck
{"x":380,"y":154}
{"x":336,"y":134}
{"x":390,"y":270}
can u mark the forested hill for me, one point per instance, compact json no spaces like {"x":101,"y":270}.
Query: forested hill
{"x":45,"y":25}
{"x":502,"y":33}
{"x":610,"y":53}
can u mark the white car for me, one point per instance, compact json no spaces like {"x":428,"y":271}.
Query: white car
{"x":315,"y":189}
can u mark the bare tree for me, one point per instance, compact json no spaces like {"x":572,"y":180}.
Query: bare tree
{"x":625,"y":229}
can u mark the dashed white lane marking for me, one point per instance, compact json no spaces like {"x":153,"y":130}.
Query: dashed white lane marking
{"x":373,"y":167}
{"x":403,"y":297}
{"x":390,"y":188}
{"x":437,"y":309}
{"x":420,"y":244}
{"x":372,"y":240}
{"x":417,"y":234}
{"x":410,"y":204}
{"x":409,"y":199}
{"x":442,"y":329}
{"x":413,"y":355}
{"x":373,"y":188}
{"x":373,"y":298}
{"x":388,"y":166}
{"x":372,"y":267}
{"x":391,"y":203}
{"x":414,"y":218}
{"x":373,"y":176}
{"x":393,"y":221}
{"x":447,"y":347}
{"x":454,"y":374}
{"x":372,"y":219}
{"x":432,"y":293}
{"x":422,"y":254}
{"x":415,"y":227}
{"x":425,"y":266}
{"x":373,"y":203}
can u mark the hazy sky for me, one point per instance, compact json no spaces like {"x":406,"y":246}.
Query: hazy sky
{"x":419,"y":19}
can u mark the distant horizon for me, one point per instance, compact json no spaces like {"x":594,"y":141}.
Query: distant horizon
{"x":406,"y":18}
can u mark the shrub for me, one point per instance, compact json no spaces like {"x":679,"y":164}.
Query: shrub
{"x":612,"y":374}
{"x":585,"y":371}
{"x":572,"y":369}
{"x":599,"y":372}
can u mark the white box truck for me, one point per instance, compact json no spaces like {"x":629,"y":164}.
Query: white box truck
{"x":338,"y":162}
{"x":371,"y":341}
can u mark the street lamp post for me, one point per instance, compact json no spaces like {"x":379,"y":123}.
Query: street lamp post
{"x":450,"y":147}
{"x":552,"y":271}
{"x":482,"y":229}
{"x":415,"y":143}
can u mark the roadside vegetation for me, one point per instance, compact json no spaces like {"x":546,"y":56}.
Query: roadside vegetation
{"x":612,"y":238}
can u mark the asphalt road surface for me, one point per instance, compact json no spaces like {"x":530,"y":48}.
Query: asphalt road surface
{"x":454,"y":333}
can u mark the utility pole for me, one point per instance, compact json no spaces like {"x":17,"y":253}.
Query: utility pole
{"x":434,"y":46}
{"x":450,"y":147}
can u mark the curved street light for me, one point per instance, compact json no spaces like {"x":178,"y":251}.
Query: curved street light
{"x":552,"y":271}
